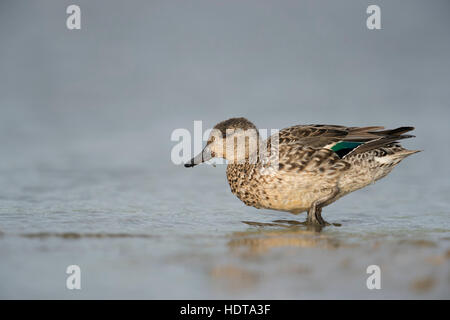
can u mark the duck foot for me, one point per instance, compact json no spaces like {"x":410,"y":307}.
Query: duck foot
{"x":290,"y":222}
{"x":262,"y":224}
{"x":303,"y":223}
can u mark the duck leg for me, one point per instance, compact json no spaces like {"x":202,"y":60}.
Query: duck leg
{"x":315,"y":216}
{"x":315,"y":211}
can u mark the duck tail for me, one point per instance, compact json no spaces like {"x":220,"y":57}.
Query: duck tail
{"x":404,"y":153}
{"x":383,"y":138}
{"x":393,"y":132}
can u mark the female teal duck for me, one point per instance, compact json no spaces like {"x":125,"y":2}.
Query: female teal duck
{"x":303,"y":167}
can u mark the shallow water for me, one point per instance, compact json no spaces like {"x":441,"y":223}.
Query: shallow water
{"x":86,"y":176}
{"x":180,"y":233}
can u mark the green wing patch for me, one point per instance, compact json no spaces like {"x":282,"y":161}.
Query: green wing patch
{"x":344,"y":147}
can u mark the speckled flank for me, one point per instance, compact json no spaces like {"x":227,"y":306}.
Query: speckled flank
{"x":303,"y":175}
{"x":310,"y":175}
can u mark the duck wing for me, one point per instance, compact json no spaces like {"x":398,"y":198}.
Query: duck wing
{"x":341,"y":139}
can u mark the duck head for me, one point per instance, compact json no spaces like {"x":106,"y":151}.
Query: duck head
{"x":235,"y":139}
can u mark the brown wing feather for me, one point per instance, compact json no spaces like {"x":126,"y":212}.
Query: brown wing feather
{"x":319,"y":136}
{"x":394,"y":132}
{"x":316,"y":136}
{"x":374,"y":144}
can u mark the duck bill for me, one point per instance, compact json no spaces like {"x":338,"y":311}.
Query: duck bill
{"x":203,"y":156}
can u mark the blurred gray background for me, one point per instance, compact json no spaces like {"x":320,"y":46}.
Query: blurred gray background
{"x":86,"y":118}
{"x":111,"y":93}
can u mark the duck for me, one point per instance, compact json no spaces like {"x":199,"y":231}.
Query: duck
{"x":302,"y":168}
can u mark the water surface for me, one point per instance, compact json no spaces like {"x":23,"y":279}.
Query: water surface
{"x":86,"y":176}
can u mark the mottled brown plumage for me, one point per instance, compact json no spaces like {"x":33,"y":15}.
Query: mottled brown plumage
{"x":309,"y":167}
